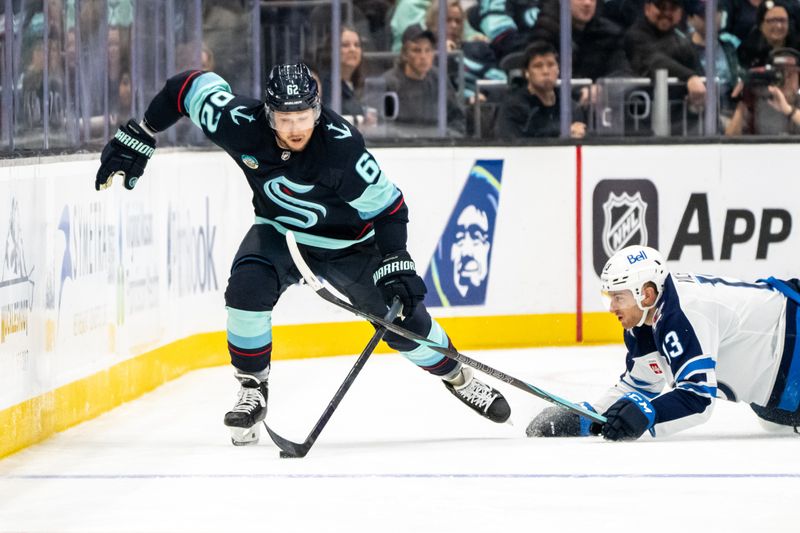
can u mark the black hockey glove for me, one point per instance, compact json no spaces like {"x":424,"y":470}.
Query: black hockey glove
{"x":397,"y":276}
{"x":127,"y":152}
{"x":558,"y":422}
{"x":629,"y":418}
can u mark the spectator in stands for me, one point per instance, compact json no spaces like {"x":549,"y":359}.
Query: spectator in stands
{"x":352,"y":79}
{"x":655,"y":42}
{"x":416,"y":85}
{"x":775,"y":28}
{"x":507,"y":24}
{"x":769,"y":103}
{"x":597,"y":48}
{"x":741,"y":16}
{"x":726,"y":61}
{"x":479,"y":62}
{"x":534,"y":110}
{"x":409,"y":12}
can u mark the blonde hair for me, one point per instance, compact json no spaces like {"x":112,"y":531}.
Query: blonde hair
{"x":432,"y":15}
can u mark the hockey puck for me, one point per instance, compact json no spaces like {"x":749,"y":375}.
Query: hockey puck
{"x":284,"y":455}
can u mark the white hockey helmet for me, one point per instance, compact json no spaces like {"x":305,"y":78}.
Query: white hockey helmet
{"x":633,"y":267}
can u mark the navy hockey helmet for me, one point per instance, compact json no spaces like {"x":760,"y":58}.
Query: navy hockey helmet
{"x":292,"y":88}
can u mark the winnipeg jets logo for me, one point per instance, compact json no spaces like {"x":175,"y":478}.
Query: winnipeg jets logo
{"x":344,"y":131}
{"x":623,"y":223}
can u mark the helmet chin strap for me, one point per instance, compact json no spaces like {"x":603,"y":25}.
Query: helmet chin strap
{"x":644,"y":315}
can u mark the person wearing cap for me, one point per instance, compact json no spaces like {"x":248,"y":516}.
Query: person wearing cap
{"x":691,"y":341}
{"x":655,"y":42}
{"x":769,"y":102}
{"x":417,"y":85}
{"x":725,"y":61}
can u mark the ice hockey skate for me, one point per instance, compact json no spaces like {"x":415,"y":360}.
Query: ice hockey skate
{"x":250,"y":409}
{"x":479,"y":396}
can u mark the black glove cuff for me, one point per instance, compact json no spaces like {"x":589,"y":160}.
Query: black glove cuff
{"x":133,"y":137}
{"x":395,"y":264}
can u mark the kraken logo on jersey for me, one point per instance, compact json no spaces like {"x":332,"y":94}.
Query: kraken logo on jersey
{"x":459,"y":269}
{"x":305,"y":209}
{"x":625,"y":213}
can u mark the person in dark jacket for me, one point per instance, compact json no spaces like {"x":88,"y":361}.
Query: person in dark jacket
{"x":534,"y":110}
{"x":726,"y":62}
{"x":655,"y":42}
{"x":597,"y":48}
{"x":775,"y":28}
{"x":352,"y":83}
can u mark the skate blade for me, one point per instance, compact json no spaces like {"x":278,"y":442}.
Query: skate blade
{"x":245,"y":436}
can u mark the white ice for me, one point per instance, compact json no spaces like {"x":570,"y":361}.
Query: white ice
{"x":401,"y":454}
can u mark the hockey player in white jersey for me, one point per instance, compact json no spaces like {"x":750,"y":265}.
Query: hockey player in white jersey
{"x":691,"y":339}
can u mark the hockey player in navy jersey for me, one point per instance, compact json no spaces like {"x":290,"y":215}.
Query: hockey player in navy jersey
{"x":310,"y":173}
{"x":691,"y":339}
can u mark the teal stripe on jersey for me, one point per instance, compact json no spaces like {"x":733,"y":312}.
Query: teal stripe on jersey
{"x":307,"y":239}
{"x":249,"y":329}
{"x":375,"y":198}
{"x":424,"y":356}
{"x":202,"y":86}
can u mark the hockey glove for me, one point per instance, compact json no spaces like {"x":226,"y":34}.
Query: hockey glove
{"x":397,"y":276}
{"x":127,"y":153}
{"x":558,"y":422}
{"x":628,"y":418}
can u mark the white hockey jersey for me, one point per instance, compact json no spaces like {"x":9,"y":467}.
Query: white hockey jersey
{"x":713,"y":338}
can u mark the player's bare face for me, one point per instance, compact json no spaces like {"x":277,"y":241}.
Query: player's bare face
{"x":623,"y":305}
{"x":293,"y":130}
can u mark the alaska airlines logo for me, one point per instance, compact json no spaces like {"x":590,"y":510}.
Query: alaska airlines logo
{"x":459,"y":269}
{"x":16,"y":286}
{"x":276,"y":190}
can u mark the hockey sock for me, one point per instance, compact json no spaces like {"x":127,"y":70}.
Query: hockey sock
{"x":430,"y":360}
{"x":250,"y":339}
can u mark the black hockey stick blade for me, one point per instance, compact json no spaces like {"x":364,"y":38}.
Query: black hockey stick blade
{"x":452,"y":353}
{"x":296,"y":450}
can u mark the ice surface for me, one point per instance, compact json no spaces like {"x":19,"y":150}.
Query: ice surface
{"x":400,"y":455}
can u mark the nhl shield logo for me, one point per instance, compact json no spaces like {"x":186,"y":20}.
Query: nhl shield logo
{"x":623,"y":223}
{"x":624,"y":213}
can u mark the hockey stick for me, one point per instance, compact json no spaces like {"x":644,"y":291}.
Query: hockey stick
{"x":452,"y":353}
{"x":293,"y":449}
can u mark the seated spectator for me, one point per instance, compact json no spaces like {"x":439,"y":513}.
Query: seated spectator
{"x":726,"y":62}
{"x":769,"y":103}
{"x":409,"y":12}
{"x":775,"y":28}
{"x":655,"y":42}
{"x":416,"y":85}
{"x":597,"y":48}
{"x":507,"y":24}
{"x":352,"y":79}
{"x":741,"y":16}
{"x":479,"y":62}
{"x":534,"y":110}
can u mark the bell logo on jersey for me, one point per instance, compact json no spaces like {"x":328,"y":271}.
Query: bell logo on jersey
{"x":459,"y":269}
